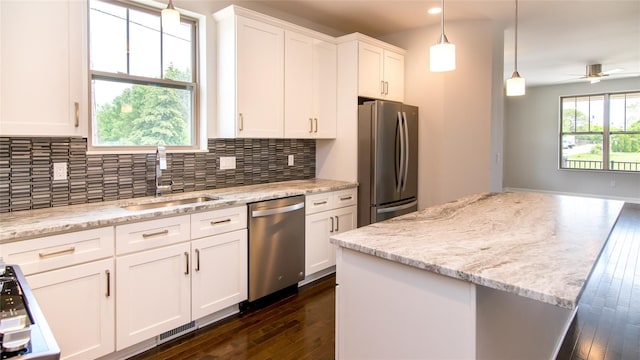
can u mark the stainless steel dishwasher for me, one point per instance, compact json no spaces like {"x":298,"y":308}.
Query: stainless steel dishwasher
{"x":276,"y":245}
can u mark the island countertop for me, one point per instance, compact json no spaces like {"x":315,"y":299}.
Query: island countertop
{"x":535,"y":245}
{"x":42,"y":222}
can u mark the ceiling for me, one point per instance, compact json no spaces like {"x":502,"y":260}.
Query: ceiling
{"x":556,"y":39}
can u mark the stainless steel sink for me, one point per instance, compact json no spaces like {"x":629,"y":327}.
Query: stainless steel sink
{"x":169,"y":203}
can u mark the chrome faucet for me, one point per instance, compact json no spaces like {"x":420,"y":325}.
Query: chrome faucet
{"x":161,"y":164}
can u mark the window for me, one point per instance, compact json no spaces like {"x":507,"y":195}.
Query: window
{"x":600,"y":132}
{"x":143,"y":79}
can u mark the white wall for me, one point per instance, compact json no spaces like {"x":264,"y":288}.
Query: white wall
{"x":532,"y":144}
{"x":458,"y":110}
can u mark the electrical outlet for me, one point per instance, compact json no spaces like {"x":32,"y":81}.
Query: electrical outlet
{"x":60,"y":171}
{"x":290,"y":160}
{"x":227,"y":162}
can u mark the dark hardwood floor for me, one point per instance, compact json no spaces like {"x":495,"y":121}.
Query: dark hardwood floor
{"x":607,"y":325}
{"x":301,"y":326}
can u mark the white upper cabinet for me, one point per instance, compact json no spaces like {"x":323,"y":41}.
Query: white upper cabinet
{"x":275,"y":79}
{"x":310,"y":87}
{"x":250,"y":78}
{"x":380,"y":72}
{"x":43,"y":68}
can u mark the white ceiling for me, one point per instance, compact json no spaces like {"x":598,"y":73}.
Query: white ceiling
{"x":556,"y":38}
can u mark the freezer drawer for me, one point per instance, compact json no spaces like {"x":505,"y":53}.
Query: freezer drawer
{"x":380,"y":213}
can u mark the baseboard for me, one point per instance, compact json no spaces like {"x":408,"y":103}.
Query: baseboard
{"x":607,"y":197}
{"x":317,"y":276}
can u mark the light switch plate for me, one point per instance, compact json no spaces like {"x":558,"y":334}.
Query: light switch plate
{"x":60,"y":171}
{"x":227,"y":162}
{"x":290,"y":160}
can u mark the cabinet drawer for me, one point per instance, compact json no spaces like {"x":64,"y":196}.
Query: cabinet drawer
{"x":58,"y":251}
{"x":151,"y":234}
{"x":318,"y":202}
{"x":218,"y":221}
{"x":345,"y":198}
{"x":330,"y":200}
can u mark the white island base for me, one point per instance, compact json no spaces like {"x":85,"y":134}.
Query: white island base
{"x":387,"y":310}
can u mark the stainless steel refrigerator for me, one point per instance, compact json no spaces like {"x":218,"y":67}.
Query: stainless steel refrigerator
{"x":387,"y":160}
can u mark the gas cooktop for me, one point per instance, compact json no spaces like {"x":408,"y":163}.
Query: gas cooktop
{"x":24,"y":333}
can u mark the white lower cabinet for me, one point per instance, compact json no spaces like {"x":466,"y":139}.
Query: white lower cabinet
{"x":219,"y":276}
{"x":153,"y":293}
{"x":72,"y":278}
{"x":327,"y":214}
{"x":78,"y":303}
{"x":194,"y":266}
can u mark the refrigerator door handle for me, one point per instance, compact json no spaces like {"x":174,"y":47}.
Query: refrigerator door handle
{"x":396,"y":208}
{"x":406,"y":153}
{"x":400,"y":166}
{"x":398,"y":152}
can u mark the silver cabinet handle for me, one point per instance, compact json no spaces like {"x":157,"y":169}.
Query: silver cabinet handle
{"x":337,"y":224}
{"x":343,"y":198}
{"x":382,"y":87}
{"x":77,"y":113}
{"x":218,"y":222}
{"x":310,"y":125}
{"x":197,"y":259}
{"x":320,"y":203}
{"x":331,"y":224}
{"x":70,"y":250}
{"x":163,"y":232}
{"x":186,"y":256}
{"x":386,"y":88}
{"x":241,"y":125}
{"x":108,"y":283}
{"x":316,"y":121}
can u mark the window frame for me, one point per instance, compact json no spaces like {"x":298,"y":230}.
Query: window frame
{"x":606,"y":131}
{"x":194,"y":85}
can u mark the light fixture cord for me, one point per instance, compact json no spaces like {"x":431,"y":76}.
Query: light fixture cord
{"x":516,"y":43}
{"x":442,"y":19}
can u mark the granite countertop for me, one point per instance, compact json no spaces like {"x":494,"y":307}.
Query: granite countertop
{"x":34,"y":223}
{"x":535,"y":245}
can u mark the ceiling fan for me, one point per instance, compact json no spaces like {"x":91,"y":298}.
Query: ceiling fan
{"x":594,"y":73}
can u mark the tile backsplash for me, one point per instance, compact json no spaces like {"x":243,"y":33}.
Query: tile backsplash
{"x":26,"y":170}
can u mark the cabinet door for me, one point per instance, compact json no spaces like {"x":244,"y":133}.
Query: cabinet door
{"x":42,"y":65}
{"x":219,"y":272}
{"x":153,"y":293}
{"x":318,"y":254}
{"x":260,"y":77}
{"x":394,"y":76}
{"x":325,"y":74}
{"x":370,"y":71}
{"x":346,"y":220}
{"x":298,"y":86}
{"x":78,"y":303}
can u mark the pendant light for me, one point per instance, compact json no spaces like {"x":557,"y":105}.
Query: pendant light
{"x":515,"y":85}
{"x":170,"y":17}
{"x":442,"y":56}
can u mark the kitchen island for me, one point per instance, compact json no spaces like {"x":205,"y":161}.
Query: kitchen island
{"x":489,"y":276}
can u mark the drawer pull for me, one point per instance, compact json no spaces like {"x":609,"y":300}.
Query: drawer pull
{"x":70,"y":250}
{"x":218,"y":222}
{"x":108,"y":283}
{"x":163,"y":232}
{"x":346,"y":198}
{"x":320,"y":202}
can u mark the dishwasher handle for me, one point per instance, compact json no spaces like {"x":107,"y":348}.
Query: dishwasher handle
{"x":280,"y":210}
